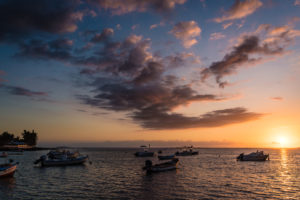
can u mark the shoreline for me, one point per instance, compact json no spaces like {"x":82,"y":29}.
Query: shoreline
{"x":24,"y":149}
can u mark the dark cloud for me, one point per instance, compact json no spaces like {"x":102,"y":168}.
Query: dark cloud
{"x":140,"y":83}
{"x":103,"y":36}
{"x":152,"y":106}
{"x":150,"y":73}
{"x":240,"y":55}
{"x":1,"y":74}
{"x":20,"y":91}
{"x":59,"y":49}
{"x":155,"y":119}
{"x":19,"y":18}
{"x":119,"y":7}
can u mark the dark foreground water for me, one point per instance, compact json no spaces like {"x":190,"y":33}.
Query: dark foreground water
{"x":117,"y":174}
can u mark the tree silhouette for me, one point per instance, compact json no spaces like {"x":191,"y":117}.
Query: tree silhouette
{"x":6,"y":138}
{"x":30,"y":138}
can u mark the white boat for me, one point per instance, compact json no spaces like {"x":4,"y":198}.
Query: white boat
{"x":144,"y":152}
{"x":8,"y":169}
{"x":254,"y":156}
{"x":161,"y":167}
{"x":62,"y":159}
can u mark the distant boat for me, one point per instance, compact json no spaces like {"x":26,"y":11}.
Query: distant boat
{"x":254,"y":156}
{"x":64,"y":158}
{"x":166,"y":157}
{"x":166,"y":166}
{"x":3,"y":155}
{"x":8,"y":169}
{"x":144,"y":152}
{"x":187,"y":151}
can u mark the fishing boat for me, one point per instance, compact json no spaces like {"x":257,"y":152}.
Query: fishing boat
{"x":3,"y":155}
{"x":187,"y":151}
{"x":161,"y":167}
{"x":8,"y":169}
{"x":254,"y":156}
{"x":62,"y":159}
{"x":166,"y":157}
{"x":144,"y":152}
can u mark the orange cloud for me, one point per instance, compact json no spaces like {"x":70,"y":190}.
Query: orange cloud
{"x":277,"y":98}
{"x":186,"y":32}
{"x":225,"y":26}
{"x":240,"y":9}
{"x":216,"y":36}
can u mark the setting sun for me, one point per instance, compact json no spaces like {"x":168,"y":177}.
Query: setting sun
{"x":283,"y":141}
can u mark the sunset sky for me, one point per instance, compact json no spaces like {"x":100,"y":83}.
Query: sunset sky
{"x":214,"y":73}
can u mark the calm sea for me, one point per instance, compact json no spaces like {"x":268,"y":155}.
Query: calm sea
{"x":118,"y":174}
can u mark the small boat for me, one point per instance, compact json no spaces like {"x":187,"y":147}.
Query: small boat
{"x":3,"y":155}
{"x":187,"y":151}
{"x":144,"y":152}
{"x":62,"y":159}
{"x":254,"y":156}
{"x":166,"y":157}
{"x":8,"y":169}
{"x":166,"y":166}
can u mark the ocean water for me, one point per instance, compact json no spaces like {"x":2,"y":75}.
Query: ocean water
{"x":118,"y":174}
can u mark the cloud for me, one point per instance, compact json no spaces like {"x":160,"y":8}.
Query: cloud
{"x":240,"y":9}
{"x":103,"y":36}
{"x":186,"y":32}
{"x":216,"y":36}
{"x":141,"y":84}
{"x":19,"y":18}
{"x":119,"y":7}
{"x":155,"y":119}
{"x":1,"y":74}
{"x":277,"y":98}
{"x":59,"y":49}
{"x":20,"y":91}
{"x":297,"y":3}
{"x":252,"y":50}
{"x":153,"y":26}
{"x":152,"y":106}
{"x":225,"y":26}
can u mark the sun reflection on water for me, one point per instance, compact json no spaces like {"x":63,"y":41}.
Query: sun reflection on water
{"x":285,"y":174}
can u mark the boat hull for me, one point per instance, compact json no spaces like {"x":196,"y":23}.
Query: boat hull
{"x":54,"y":162}
{"x":167,"y":166}
{"x":262,"y":158}
{"x":8,"y":172}
{"x":187,"y":153}
{"x":166,"y":157}
{"x":144,"y":154}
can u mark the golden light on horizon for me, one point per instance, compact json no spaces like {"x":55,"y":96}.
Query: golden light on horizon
{"x":283,"y":141}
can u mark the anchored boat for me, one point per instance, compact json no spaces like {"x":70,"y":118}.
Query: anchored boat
{"x":62,"y":158}
{"x":8,"y":169}
{"x":254,"y":156}
{"x":166,"y":166}
{"x":187,"y":151}
{"x":144,"y":152}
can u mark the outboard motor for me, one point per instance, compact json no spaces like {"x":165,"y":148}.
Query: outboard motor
{"x":240,"y":157}
{"x":148,"y":163}
{"x":40,"y":159}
